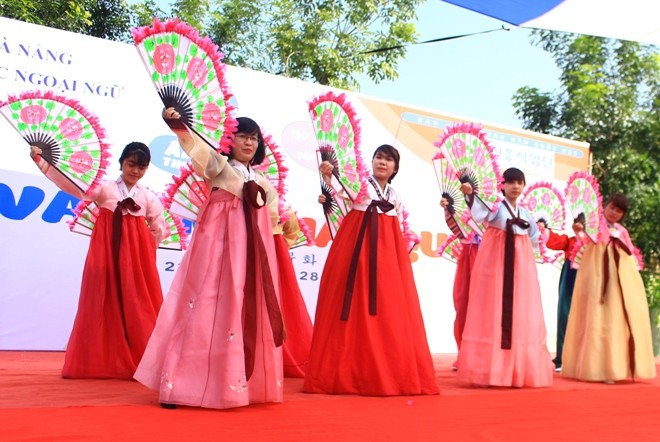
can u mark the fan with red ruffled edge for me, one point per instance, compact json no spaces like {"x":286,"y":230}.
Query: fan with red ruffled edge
{"x":86,"y":213}
{"x":544,"y":201}
{"x":411,"y":238}
{"x":274,"y":169}
{"x":459,"y":222}
{"x":71,"y":139}
{"x":190,"y":77}
{"x":452,"y":248}
{"x":468,"y":150}
{"x":338,"y":134}
{"x":584,"y":202}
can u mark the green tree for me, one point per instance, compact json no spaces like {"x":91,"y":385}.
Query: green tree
{"x":609,"y":97}
{"x":317,"y":40}
{"x":109,"y":19}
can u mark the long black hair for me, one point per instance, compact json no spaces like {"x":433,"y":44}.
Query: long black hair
{"x":139,"y":150}
{"x":250,"y":127}
{"x":391,"y":152}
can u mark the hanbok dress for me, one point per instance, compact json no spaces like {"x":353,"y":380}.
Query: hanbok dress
{"x":567,"y":276}
{"x":217,"y":341}
{"x":369,"y":335}
{"x":504,"y":340}
{"x":461,"y":290}
{"x":120,"y":293}
{"x":608,"y":337}
{"x":297,"y":322}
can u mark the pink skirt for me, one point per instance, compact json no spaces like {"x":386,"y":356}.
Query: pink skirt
{"x":481,"y":360}
{"x":195,"y":355}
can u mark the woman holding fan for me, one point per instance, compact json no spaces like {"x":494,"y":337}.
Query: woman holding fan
{"x":217,"y":341}
{"x":120,"y":293}
{"x":369,"y":335}
{"x":608,"y":337}
{"x":504,"y":340}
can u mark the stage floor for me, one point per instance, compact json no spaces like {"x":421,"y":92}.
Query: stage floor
{"x":37,"y":404}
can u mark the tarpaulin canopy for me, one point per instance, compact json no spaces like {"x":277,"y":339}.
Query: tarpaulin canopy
{"x":637,"y":20}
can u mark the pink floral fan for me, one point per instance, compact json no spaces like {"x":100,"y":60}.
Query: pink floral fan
{"x":544,"y":201}
{"x":411,"y":238}
{"x":186,"y":195}
{"x":457,"y":214}
{"x":71,"y":139}
{"x":338,"y":134}
{"x":452,"y":248}
{"x":584,"y":202}
{"x":188,"y":74}
{"x":274,"y":169}
{"x":467,"y":149}
{"x":86,"y":213}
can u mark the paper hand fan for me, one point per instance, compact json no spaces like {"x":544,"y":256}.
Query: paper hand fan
{"x":544,"y":201}
{"x":584,"y":202}
{"x":544,"y":255}
{"x":575,"y":254}
{"x":71,"y":139}
{"x":457,"y":214}
{"x":338,"y":135}
{"x":467,"y":149}
{"x":186,"y":195}
{"x":335,"y":208}
{"x":275,"y":170}
{"x":188,"y":74}
{"x":411,"y":238}
{"x":451,"y":249}
{"x":86,"y":213}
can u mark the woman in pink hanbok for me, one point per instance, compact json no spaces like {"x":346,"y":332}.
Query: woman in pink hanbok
{"x":504,"y":339}
{"x":217,"y":341}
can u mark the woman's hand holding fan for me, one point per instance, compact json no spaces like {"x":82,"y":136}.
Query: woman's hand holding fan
{"x":188,"y":74}
{"x":338,"y":134}
{"x":585,"y":203}
{"x":68,"y":137}
{"x":466,"y":148}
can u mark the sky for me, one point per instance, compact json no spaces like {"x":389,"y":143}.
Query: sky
{"x":472,"y":77}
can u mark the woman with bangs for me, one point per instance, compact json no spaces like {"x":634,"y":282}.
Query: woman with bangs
{"x":217,"y":341}
{"x":504,"y":340}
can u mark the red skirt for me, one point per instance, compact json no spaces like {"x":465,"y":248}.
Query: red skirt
{"x":110,"y":334}
{"x":462,"y":288}
{"x":297,"y":323}
{"x":378,"y":355}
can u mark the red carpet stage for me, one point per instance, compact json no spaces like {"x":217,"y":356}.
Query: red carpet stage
{"x":36,"y":404}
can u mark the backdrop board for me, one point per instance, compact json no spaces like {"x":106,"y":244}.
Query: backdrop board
{"x":41,"y":261}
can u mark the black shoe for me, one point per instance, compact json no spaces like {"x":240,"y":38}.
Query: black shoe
{"x":168,"y":406}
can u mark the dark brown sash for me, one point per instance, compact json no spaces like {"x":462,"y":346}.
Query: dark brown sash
{"x":257,"y":267}
{"x":370,"y":218}
{"x":117,"y":216}
{"x":616,"y":244}
{"x":509,"y":274}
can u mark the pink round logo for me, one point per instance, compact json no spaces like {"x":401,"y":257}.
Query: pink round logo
{"x":34,"y":114}
{"x":164,"y":58}
{"x":546,"y":199}
{"x":197,"y":71}
{"x":479,"y":156}
{"x":211,"y":115}
{"x":326,"y":120}
{"x":531,"y":203}
{"x":458,"y":148}
{"x":343,"y":136}
{"x":71,"y":129}
{"x":81,"y":162}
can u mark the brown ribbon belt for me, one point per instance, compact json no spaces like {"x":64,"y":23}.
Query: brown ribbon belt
{"x":370,"y":218}
{"x":257,"y":267}
{"x":616,"y":244}
{"x":117,"y":216}
{"x":509,"y":276}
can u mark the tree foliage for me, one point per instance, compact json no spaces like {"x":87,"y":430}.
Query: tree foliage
{"x":109,"y":19}
{"x":609,"y":97}
{"x":318,"y":40}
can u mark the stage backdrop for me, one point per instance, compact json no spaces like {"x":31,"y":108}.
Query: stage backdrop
{"x":41,"y":261}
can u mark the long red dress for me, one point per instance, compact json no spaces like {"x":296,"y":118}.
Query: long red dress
{"x":380,"y":354}
{"x":118,"y":306}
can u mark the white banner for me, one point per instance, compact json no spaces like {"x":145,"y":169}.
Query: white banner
{"x":41,"y":261}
